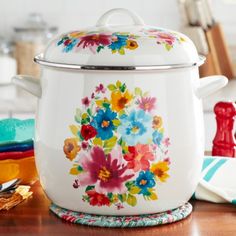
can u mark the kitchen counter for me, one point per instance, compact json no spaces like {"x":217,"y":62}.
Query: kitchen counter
{"x":32,"y":217}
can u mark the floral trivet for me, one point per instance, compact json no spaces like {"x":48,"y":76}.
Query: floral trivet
{"x":123,"y":221}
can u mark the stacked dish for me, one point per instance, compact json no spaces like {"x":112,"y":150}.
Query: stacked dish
{"x":17,"y":150}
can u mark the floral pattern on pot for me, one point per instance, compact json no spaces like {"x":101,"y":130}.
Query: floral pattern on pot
{"x":118,"y":149}
{"x":118,"y":42}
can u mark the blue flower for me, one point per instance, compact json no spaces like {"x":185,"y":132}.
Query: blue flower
{"x":157,"y":137}
{"x":68,"y":47}
{"x":102,"y":122}
{"x":145,"y":181}
{"x":136,"y":128}
{"x":119,"y":43}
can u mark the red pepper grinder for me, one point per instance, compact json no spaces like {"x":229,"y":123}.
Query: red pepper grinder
{"x":224,"y":143}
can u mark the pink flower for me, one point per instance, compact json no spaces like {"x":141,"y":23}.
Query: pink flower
{"x":84,"y":145}
{"x":106,"y":172}
{"x":100,"y":88}
{"x":165,"y":38}
{"x":139,"y":156}
{"x":94,"y":40}
{"x":119,"y":206}
{"x":166,"y":142}
{"x":147,"y":103}
{"x":85,"y":101}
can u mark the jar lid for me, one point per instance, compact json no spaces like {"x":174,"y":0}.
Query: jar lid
{"x":121,"y":47}
{"x":6,"y":46}
{"x":35,"y":23}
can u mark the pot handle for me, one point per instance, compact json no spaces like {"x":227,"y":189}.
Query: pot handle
{"x":210,"y":84}
{"x":28,"y":83}
{"x":103,"y":20}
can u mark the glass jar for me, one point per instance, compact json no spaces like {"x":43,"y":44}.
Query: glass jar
{"x":7,"y":62}
{"x":31,"y":39}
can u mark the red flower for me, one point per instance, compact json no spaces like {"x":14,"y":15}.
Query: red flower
{"x":88,"y":132}
{"x":84,"y":145}
{"x":100,"y":88}
{"x":94,"y":40}
{"x":86,"y":101}
{"x":97,"y":199}
{"x":139,"y":156}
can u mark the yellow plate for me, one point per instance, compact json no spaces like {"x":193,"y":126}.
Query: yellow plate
{"x":23,"y":169}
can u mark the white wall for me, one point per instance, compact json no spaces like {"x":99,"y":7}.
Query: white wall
{"x":73,"y":14}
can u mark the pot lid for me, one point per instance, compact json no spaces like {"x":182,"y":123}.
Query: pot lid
{"x":120,"y":46}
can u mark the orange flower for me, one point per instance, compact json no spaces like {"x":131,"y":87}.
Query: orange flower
{"x":120,"y":100}
{"x":71,"y":148}
{"x":76,"y":34}
{"x":131,"y":44}
{"x":157,"y":122}
{"x":160,"y":169}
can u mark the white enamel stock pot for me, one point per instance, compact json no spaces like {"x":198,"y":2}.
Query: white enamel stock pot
{"x":119,"y":121}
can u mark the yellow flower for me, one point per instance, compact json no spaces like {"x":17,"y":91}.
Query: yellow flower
{"x":76,"y":34}
{"x":120,"y":100}
{"x":160,"y":170}
{"x":157,"y":122}
{"x":131,"y":44}
{"x":71,"y":148}
{"x":115,"y":198}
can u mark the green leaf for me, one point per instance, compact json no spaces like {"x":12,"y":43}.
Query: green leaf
{"x":106,"y":105}
{"x":89,"y":187}
{"x":129,"y":184}
{"x":97,"y":141}
{"x":111,"y":87}
{"x":84,"y":122}
{"x":134,"y":190}
{"x":122,"y":88}
{"x":78,"y":114}
{"x":118,"y":83}
{"x":122,"y":197}
{"x":107,"y":150}
{"x":74,"y":129}
{"x":110,"y":143}
{"x":125,"y":149}
{"x":116,"y":122}
{"x":89,"y":111}
{"x":85,"y":198}
{"x":110,"y":195}
{"x":153,"y":196}
{"x":99,"y":48}
{"x":131,"y":200}
{"x":121,"y":113}
{"x":138,"y":91}
{"x":80,"y":136}
{"x":120,"y":141}
{"x":121,"y":51}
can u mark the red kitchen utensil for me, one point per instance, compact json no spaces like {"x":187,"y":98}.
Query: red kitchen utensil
{"x":16,"y":155}
{"x":224,"y":143}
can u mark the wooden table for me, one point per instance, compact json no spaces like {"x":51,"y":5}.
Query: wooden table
{"x":33,"y":217}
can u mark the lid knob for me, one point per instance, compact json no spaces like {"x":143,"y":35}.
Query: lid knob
{"x":104,"y":19}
